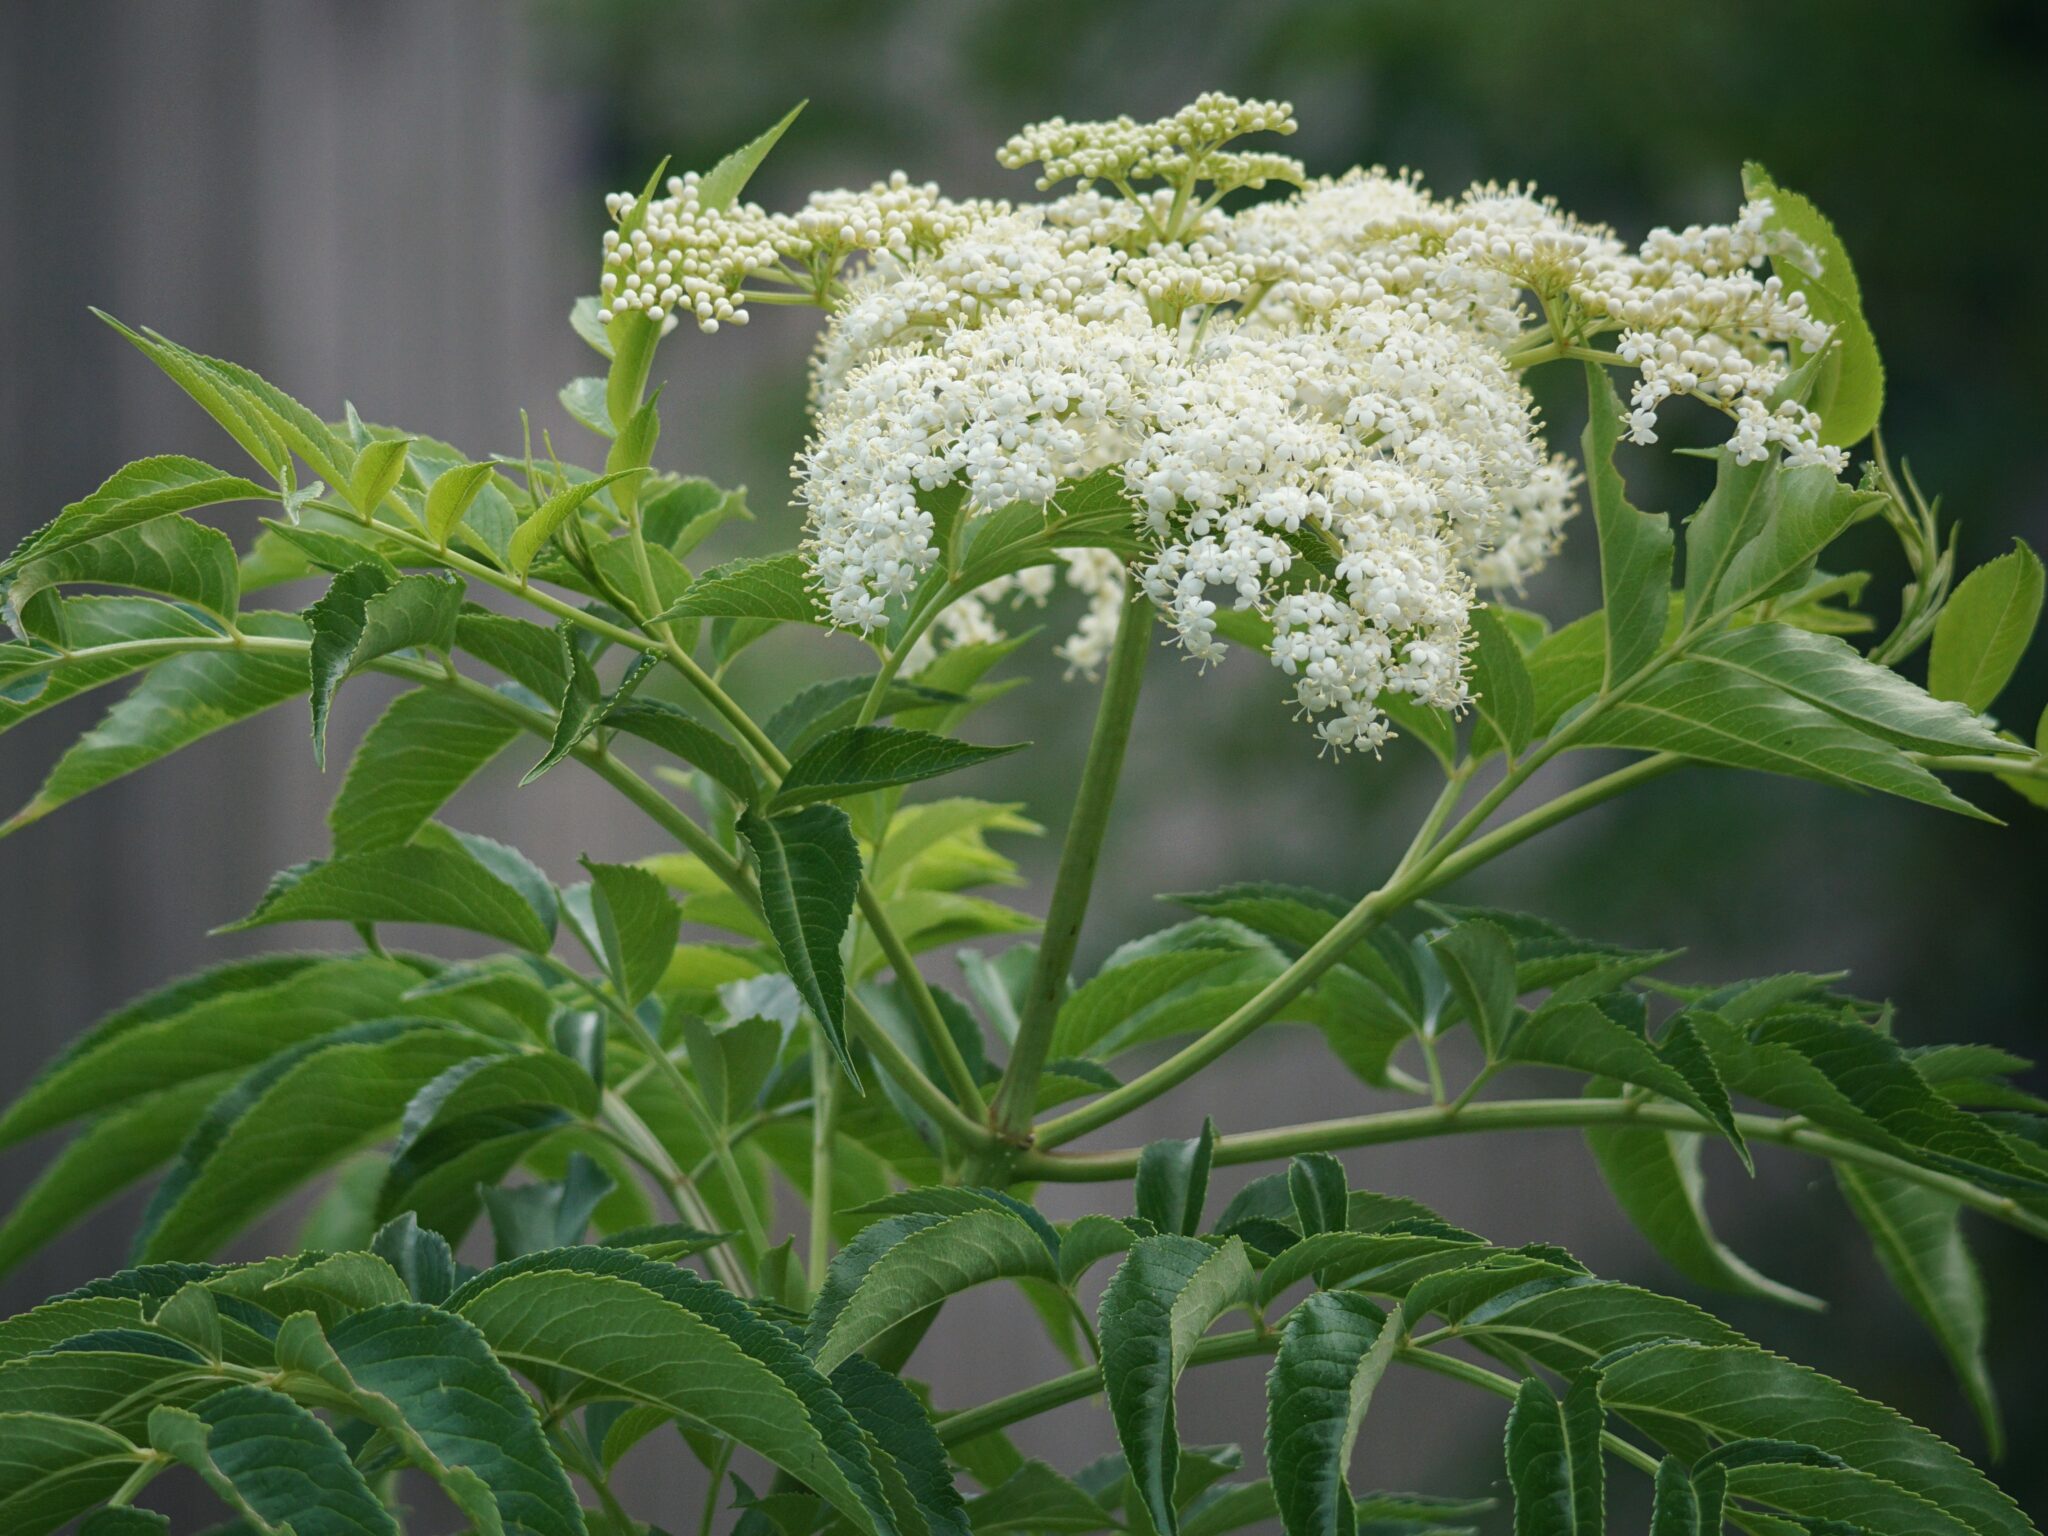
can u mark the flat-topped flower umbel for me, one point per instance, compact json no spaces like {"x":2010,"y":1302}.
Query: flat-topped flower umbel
{"x":1314,"y":403}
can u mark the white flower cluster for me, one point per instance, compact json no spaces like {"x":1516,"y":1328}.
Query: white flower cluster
{"x":679,"y":257}
{"x":1314,"y":405}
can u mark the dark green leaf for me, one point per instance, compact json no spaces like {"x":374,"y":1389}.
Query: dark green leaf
{"x":683,"y":737}
{"x":1336,"y":1347}
{"x":54,"y":1468}
{"x":1316,"y":1186}
{"x":1501,"y":690}
{"x":423,"y":749}
{"x":809,"y":867}
{"x":366,"y":615}
{"x":1553,"y":1455}
{"x":1478,"y":961}
{"x":1173,"y":1182}
{"x":637,"y":924}
{"x":1635,"y":547}
{"x":272,"y":1462}
{"x":777,"y":587}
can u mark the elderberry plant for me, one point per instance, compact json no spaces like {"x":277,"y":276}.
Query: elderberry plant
{"x":1216,"y":396}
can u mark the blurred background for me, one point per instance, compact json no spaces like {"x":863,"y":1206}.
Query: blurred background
{"x":395,"y":204}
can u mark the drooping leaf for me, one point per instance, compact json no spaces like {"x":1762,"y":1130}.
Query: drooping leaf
{"x":1656,"y":1178}
{"x":1919,"y":1241}
{"x":170,"y":555}
{"x":1336,"y":1347}
{"x":1478,"y":961}
{"x":1157,"y":1306}
{"x":1984,"y":630}
{"x":809,"y":868}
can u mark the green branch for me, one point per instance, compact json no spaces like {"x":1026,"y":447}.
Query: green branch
{"x":1016,"y":1097}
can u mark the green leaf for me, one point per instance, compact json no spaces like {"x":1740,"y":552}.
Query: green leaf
{"x":548,"y":1214}
{"x":809,"y":868}
{"x":1159,"y":1303}
{"x":1035,"y":1497}
{"x":527,"y":653}
{"x":904,"y":1442}
{"x":53,"y":1469}
{"x":1850,"y":394}
{"x":677,"y":734}
{"x":1828,"y":673}
{"x":1919,"y":1241}
{"x":272,"y":1462}
{"x":429,"y":1381}
{"x":1656,"y":1179}
{"x":132,"y":496}
{"x":127,"y":1520}
{"x":1679,"y":1391}
{"x":1582,"y":1036}
{"x":903,"y":1264}
{"x":775,"y":587}
{"x":532,"y":535}
{"x":366,"y":615}
{"x":1553,"y":1455}
{"x":450,"y":497}
{"x":1984,"y":630}
{"x":721,"y":186}
{"x":859,"y":758}
{"x":423,"y":748}
{"x":376,"y":473}
{"x":1674,"y":1506}
{"x":1478,"y":961}
{"x":1316,"y":1186}
{"x":171,"y":555}
{"x":633,"y":448}
{"x":655,"y":1334}
{"x":1800,"y":512}
{"x":1718,"y":715}
{"x":307,"y":1110}
{"x":1821,"y":1494}
{"x":182,"y":700}
{"x":1336,"y":1347}
{"x":1100,"y":1006}
{"x":444,"y":883}
{"x":637,"y":925}
{"x":1501,"y":690}
{"x":1172,"y":1182}
{"x":690,"y":511}
{"x":1635,"y":547}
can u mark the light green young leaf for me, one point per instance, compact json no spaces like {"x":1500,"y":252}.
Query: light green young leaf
{"x":219,"y":399}
{"x":531,"y":536}
{"x":1984,"y":630}
{"x":637,"y":924}
{"x":376,"y":473}
{"x":1336,"y":1347}
{"x":1635,"y":547}
{"x":1160,"y":1302}
{"x":451,"y":495}
{"x":423,"y":749}
{"x":272,"y":1462}
{"x":1919,"y":1241}
{"x":1803,"y":510}
{"x":1850,"y":394}
{"x":809,"y":868}
{"x":721,"y":186}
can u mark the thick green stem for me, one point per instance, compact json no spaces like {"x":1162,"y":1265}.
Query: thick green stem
{"x":1017,"y":1095}
{"x":824,"y":1115}
{"x":1431,"y":1120}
